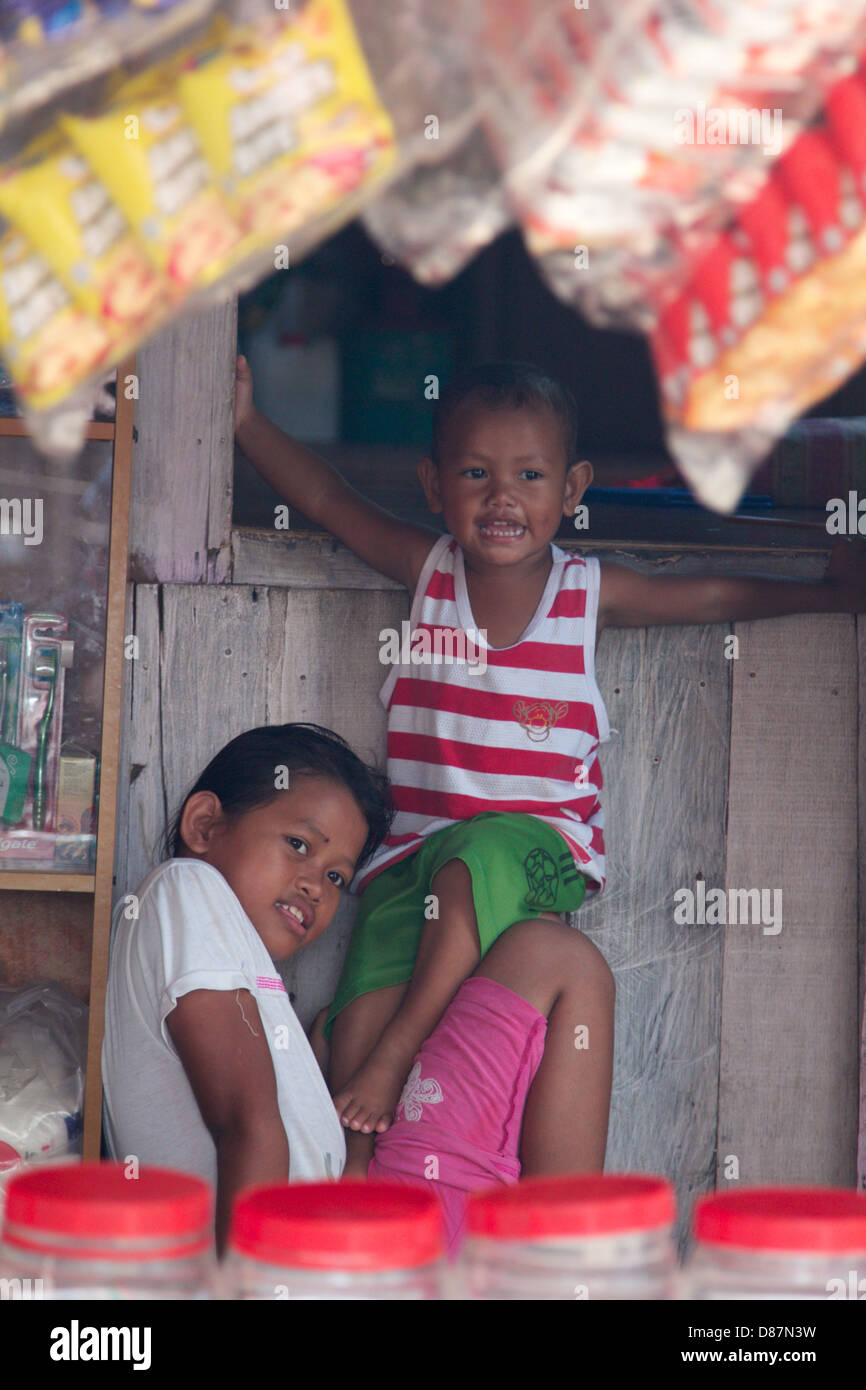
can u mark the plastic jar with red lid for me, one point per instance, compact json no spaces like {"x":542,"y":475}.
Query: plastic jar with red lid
{"x":347,"y":1240}
{"x":778,"y":1242}
{"x":582,"y":1236}
{"x":89,"y":1231}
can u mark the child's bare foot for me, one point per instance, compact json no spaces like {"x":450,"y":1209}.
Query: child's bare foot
{"x":369,"y":1098}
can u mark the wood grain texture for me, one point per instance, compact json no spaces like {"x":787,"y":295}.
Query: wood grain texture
{"x":183,"y":457}
{"x":317,"y":562}
{"x":324,"y":667}
{"x":789,"y":1058}
{"x":214,"y":675}
{"x":124,"y":769}
{"x":200,"y":678}
{"x":142,"y":814}
{"x":112,"y":722}
{"x":46,"y":936}
{"x":320,"y":562}
{"x":667,"y":691}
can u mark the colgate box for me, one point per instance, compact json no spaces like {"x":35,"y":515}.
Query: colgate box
{"x":29,"y":846}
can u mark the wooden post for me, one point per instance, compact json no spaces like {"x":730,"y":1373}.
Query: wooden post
{"x":184,"y":452}
{"x":112,"y":714}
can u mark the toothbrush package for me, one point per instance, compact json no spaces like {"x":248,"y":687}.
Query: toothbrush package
{"x":14,"y":762}
{"x":35,"y":652}
{"x":45,"y":653}
{"x":47,"y":790}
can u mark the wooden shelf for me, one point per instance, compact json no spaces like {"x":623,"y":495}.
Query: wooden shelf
{"x":95,"y":429}
{"x":98,"y":885}
{"x":22,"y":880}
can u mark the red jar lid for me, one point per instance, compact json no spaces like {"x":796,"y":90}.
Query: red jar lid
{"x":783,"y":1218}
{"x":161,"y":1211}
{"x":353,"y":1225}
{"x":586,"y":1204}
{"x":10,"y":1158}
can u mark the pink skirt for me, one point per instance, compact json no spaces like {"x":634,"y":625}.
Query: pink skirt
{"x":458,"y":1122}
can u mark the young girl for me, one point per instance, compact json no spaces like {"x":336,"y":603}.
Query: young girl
{"x":205,"y":1065}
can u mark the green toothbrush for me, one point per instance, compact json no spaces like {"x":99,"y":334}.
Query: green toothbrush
{"x":44,"y":670}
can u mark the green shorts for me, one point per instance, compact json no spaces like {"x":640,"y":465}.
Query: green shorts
{"x":520,"y":868}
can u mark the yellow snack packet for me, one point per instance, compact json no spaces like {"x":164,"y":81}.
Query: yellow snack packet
{"x":288,"y":116}
{"x":49,"y":344}
{"x":54,"y":199}
{"x":147,"y":154}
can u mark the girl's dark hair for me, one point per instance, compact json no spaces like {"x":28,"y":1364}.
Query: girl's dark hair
{"x":243,"y":775}
{"x":500,"y":385}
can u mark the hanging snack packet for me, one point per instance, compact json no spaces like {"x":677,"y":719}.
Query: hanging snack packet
{"x":146,"y":153}
{"x":288,"y":117}
{"x":52,"y":196}
{"x":49,"y":344}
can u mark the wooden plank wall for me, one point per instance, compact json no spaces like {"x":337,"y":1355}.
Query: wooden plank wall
{"x":696,"y":1003}
{"x":744,"y":773}
{"x":667,"y":691}
{"x":184,"y":440}
{"x":791,"y":1002}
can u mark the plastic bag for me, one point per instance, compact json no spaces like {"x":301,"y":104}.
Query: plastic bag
{"x":49,"y":343}
{"x":436,"y":218}
{"x":657,"y":195}
{"x":691,"y":169}
{"x":43,"y":1056}
{"x":53,"y":199}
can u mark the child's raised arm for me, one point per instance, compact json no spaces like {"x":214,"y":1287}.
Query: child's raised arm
{"x":393,"y":547}
{"x":220,"y":1039}
{"x":630,"y":599}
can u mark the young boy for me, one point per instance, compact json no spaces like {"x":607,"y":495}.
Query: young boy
{"x":494,"y":771}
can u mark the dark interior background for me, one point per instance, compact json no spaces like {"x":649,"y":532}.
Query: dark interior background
{"x":341,"y":345}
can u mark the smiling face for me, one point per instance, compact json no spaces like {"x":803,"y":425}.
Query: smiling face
{"x":287,"y":861}
{"x":503,"y":482}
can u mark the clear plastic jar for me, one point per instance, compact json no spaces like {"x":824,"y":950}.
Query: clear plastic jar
{"x":87,"y":1231}
{"x":586,"y":1236}
{"x":347,"y":1240}
{"x":778,"y":1243}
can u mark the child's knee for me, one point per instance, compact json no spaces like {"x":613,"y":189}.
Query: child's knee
{"x":590,"y":963}
{"x":567,"y":951}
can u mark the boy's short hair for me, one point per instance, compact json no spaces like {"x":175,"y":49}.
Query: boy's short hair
{"x":503,"y":385}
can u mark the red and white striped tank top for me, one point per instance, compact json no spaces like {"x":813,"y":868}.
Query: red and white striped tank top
{"x":520,"y":735}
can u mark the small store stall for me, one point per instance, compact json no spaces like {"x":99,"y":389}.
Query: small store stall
{"x":544,"y":165}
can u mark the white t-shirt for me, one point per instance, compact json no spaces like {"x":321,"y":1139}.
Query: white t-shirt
{"x":192,"y":933}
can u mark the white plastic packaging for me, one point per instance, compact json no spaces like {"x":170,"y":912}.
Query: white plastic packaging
{"x":43,"y":1052}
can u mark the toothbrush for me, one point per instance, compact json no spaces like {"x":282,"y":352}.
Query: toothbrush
{"x":44,"y":670}
{"x":4,"y":677}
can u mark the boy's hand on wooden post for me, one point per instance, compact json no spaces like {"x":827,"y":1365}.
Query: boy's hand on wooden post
{"x":243,"y":393}
{"x":846,"y":573}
